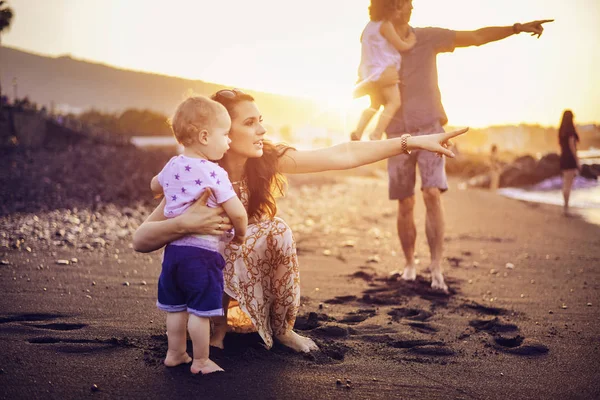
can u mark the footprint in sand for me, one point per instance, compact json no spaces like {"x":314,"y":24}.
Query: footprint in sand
{"x":485,"y":309}
{"x":358,"y":316}
{"x":30,"y":317}
{"x":519,"y":346}
{"x":423,"y":327}
{"x":413,"y":314}
{"x":341,"y":300}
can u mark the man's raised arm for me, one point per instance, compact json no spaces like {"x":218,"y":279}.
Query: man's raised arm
{"x":495,"y":33}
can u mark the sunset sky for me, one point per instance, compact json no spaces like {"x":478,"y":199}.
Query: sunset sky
{"x":311,"y":48}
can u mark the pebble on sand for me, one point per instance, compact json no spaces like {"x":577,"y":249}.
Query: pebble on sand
{"x":589,"y":304}
{"x":125,"y":283}
{"x":95,"y":388}
{"x":510,"y":265}
{"x":63,"y":262}
{"x":5,"y":262}
{"x":374,"y":259}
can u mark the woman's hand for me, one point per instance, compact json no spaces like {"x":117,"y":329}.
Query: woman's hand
{"x":199,"y":219}
{"x":437,"y":142}
{"x":157,"y":231}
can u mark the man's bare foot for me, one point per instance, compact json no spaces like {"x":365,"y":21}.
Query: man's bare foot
{"x":437,"y":281}
{"x":218,"y":336}
{"x":173,"y":359}
{"x":296,"y":342}
{"x":410,"y":273}
{"x":204,"y":367}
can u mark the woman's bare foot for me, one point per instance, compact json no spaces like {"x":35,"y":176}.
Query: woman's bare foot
{"x":174,"y":359}
{"x":218,"y":335}
{"x":296,"y":342}
{"x":204,"y":367}
{"x":375,"y":136}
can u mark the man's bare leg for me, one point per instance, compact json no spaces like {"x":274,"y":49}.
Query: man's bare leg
{"x":407,"y":232}
{"x":220,"y":325}
{"x":434,"y":229}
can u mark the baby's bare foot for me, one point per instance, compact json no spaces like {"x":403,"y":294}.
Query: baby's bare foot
{"x":296,"y":342}
{"x":204,"y":367}
{"x":174,"y":359}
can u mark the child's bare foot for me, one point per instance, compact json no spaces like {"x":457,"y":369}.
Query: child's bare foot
{"x":204,"y":367}
{"x":174,"y":359}
{"x":296,"y":342}
{"x":218,"y":335}
{"x":375,"y":136}
{"x":355,"y":136}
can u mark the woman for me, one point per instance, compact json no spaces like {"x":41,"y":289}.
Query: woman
{"x":262,"y":274}
{"x":569,"y":162}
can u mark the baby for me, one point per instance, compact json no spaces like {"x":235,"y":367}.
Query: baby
{"x":190,"y":287}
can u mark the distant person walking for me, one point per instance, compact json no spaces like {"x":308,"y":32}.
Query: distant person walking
{"x":569,"y":162}
{"x":495,"y":168}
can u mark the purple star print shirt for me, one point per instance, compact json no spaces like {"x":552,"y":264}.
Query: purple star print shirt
{"x":183,"y":180}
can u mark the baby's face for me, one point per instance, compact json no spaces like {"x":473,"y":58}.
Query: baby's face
{"x":218,"y":141}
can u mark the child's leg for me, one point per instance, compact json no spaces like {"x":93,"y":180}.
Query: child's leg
{"x":220,"y":325}
{"x":366,"y":117}
{"x":391,"y":101}
{"x":176,"y":336}
{"x":199,"y":328}
{"x":391,"y":105}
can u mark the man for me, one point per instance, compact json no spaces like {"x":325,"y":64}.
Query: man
{"x":422,"y":113}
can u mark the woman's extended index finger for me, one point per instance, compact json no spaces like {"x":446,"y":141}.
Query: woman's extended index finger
{"x":450,"y":135}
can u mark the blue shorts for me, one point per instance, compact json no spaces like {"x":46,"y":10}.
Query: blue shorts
{"x":191,"y":280}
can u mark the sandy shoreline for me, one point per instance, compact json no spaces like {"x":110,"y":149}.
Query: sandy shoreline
{"x":501,"y":333}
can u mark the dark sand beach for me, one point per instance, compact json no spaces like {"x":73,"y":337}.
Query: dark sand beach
{"x":521,"y":320}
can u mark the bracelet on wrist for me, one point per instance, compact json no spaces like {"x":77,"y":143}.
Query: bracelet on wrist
{"x":404,"y":143}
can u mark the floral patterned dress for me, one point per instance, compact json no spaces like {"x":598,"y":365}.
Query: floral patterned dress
{"x":262,"y":275}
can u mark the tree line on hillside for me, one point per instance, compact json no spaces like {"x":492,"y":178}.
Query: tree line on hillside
{"x":131,"y":122}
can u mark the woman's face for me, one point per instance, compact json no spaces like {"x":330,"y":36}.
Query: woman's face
{"x":247,"y":132}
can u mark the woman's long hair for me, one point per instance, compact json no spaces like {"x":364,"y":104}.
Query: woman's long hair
{"x":264,"y":180}
{"x":567,"y":127}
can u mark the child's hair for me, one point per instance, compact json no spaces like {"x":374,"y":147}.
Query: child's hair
{"x":382,"y":9}
{"x":192,"y":116}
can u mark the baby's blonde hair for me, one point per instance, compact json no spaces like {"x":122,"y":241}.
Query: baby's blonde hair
{"x":194,"y":114}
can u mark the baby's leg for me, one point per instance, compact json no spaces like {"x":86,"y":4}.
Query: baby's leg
{"x":199,"y":328}
{"x":366,"y":117}
{"x":176,"y":336}
{"x":391,"y":101}
{"x":220,"y":325}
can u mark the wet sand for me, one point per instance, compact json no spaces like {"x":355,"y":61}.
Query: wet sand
{"x":528,"y":329}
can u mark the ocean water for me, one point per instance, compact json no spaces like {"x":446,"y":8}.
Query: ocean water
{"x":585,"y":193}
